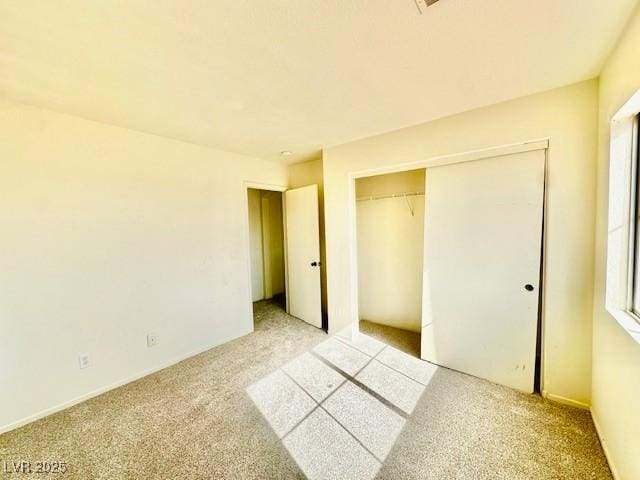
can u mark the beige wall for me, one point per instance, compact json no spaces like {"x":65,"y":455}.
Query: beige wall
{"x":310,"y":173}
{"x":266,"y":243}
{"x":567,"y":116}
{"x":107,"y":235}
{"x":616,"y":356}
{"x":255,"y":244}
{"x":391,"y":183}
{"x":273,"y":243}
{"x":390,"y":249}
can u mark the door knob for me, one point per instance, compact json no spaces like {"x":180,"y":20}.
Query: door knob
{"x":528,"y":287}
{"x":315,"y":264}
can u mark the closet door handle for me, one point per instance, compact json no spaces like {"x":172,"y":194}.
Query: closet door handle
{"x":315,"y":264}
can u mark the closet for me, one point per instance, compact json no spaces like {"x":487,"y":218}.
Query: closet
{"x":466,"y":271}
{"x":390,"y":230}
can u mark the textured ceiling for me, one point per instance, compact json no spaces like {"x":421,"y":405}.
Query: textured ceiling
{"x":258,"y":77}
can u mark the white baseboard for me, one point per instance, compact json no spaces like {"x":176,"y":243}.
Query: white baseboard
{"x":565,"y":401}
{"x":94,"y":393}
{"x":605,"y":448}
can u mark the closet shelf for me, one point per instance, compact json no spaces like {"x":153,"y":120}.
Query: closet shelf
{"x":391,"y":195}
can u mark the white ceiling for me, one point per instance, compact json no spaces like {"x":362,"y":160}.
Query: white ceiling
{"x":258,"y":77}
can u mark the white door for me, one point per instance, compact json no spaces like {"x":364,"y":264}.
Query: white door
{"x":303,"y":254}
{"x":483,"y":233}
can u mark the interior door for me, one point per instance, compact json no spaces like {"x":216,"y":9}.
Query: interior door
{"x":483,"y":233}
{"x":303,"y":254}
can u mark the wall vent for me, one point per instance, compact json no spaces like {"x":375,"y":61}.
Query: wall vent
{"x":423,"y":4}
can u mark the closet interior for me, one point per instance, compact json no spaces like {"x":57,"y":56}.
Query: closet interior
{"x":390,"y":231}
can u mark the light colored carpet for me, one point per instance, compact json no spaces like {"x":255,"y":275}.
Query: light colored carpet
{"x":201,"y":419}
{"x":408,"y":342}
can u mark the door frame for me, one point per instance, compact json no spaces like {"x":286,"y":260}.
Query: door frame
{"x":468,"y":156}
{"x":246,"y":185}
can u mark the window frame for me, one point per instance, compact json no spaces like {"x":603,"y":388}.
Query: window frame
{"x":623,"y":233}
{"x":633,"y":283}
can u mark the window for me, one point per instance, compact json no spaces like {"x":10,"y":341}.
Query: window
{"x":623,"y":240}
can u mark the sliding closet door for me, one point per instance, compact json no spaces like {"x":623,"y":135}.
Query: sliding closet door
{"x":483,"y":231}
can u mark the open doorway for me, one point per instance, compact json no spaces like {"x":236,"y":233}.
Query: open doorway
{"x":266,"y":244}
{"x":390,"y":230}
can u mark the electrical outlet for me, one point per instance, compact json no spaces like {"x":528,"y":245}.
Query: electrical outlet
{"x":84,"y":360}
{"x":152,"y":340}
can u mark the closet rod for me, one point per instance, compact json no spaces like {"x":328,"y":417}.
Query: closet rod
{"x":391,"y":195}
